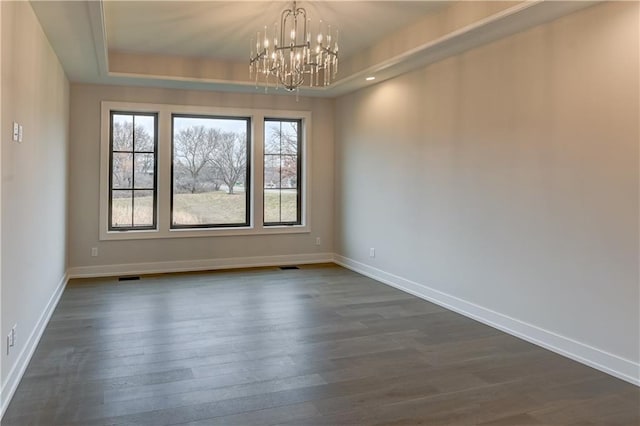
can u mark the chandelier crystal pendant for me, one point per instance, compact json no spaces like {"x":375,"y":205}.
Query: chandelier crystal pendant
{"x":293,"y":57}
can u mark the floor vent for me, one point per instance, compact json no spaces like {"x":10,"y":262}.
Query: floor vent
{"x":134,"y":278}
{"x":286,"y":268}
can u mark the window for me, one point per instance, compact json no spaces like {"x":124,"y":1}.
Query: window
{"x":132,"y":171}
{"x":183,"y":171}
{"x":282,"y":171}
{"x":210,"y":172}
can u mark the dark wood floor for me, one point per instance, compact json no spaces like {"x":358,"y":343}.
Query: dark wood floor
{"x":320,"y":345}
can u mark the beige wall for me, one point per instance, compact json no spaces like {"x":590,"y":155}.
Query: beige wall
{"x":84,"y":182}
{"x":34,"y":177}
{"x":507,"y":176}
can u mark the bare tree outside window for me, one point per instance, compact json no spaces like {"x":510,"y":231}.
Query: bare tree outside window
{"x":194,"y":149}
{"x":210,"y":171}
{"x":282,"y":172}
{"x":230,"y":158}
{"x":132,"y":192}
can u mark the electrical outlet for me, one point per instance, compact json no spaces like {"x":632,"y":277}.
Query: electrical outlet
{"x":372,"y":252}
{"x":317,"y":241}
{"x":94,"y":251}
{"x":16,"y":131}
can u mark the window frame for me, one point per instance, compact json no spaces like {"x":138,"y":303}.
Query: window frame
{"x":133,"y":188}
{"x":299,"y":171}
{"x":164,"y":183}
{"x":248,"y":192}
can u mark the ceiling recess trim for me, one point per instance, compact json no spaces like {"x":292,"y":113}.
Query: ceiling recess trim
{"x":95,"y":10}
{"x":481,"y":23}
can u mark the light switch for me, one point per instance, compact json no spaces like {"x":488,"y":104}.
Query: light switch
{"x":16,"y":130}
{"x":20,"y":133}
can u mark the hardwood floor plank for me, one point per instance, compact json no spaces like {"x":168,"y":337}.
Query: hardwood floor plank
{"x":268,"y":416}
{"x":320,"y":345}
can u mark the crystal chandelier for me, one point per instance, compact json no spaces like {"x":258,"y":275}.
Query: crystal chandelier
{"x":294,"y":57}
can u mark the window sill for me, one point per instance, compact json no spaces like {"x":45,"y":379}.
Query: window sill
{"x":202,"y":233}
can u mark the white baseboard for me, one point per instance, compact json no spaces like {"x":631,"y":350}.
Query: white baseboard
{"x":24,"y":357}
{"x":197,"y":265}
{"x":609,"y":363}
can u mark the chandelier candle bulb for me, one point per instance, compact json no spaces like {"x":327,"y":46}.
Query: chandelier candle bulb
{"x":275,"y":35}
{"x":266,"y":38}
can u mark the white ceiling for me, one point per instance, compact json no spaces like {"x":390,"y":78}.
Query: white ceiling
{"x":223,"y":29}
{"x":204,"y":45}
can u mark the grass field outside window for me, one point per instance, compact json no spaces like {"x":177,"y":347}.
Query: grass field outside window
{"x":197,"y":208}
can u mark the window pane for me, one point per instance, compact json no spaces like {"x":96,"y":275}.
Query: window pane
{"x":121,"y":209}
{"x":144,"y":134}
{"x":282,"y":172}
{"x":209,"y":171}
{"x":272,"y":137}
{"x":145,"y":165}
{"x":289,"y":164}
{"x":132,"y":170}
{"x":143,"y":205}
{"x":122,"y":132}
{"x":272,"y":205}
{"x":272,"y":171}
{"x":122,"y":170}
{"x":289,"y":137}
{"x":289,"y":205}
{"x":206,"y":208}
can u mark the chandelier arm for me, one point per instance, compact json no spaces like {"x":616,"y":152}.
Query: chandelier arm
{"x":283,"y":20}
{"x":293,"y":85}
{"x":295,"y":46}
